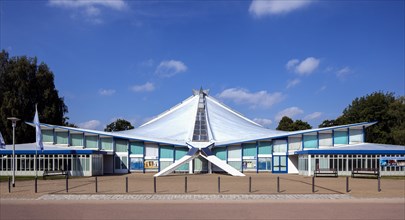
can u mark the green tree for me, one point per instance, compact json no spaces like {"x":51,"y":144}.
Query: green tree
{"x":327,"y":123}
{"x":287,"y":124}
{"x":23,"y":84}
{"x":119,"y":125}
{"x":385,"y":108}
{"x":301,"y":125}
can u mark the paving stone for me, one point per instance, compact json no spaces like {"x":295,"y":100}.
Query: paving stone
{"x":194,"y":197}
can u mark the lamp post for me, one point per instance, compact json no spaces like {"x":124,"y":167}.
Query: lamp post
{"x":14,"y":122}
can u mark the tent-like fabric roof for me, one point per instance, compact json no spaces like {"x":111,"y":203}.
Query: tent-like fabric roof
{"x":224,"y":125}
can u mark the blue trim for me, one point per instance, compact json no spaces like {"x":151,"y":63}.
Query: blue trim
{"x":54,"y":136}
{"x":241,"y":157}
{"x":226,"y":149}
{"x":158,"y":158}
{"x":68,"y":141}
{"x":257,"y":156}
{"x":143,"y":158}
{"x":364,"y":134}
{"x":84,"y":141}
{"x":302,"y":140}
{"x":98,"y":142}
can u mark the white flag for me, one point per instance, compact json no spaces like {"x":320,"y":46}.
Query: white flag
{"x":40,"y":145}
{"x":2,"y":143}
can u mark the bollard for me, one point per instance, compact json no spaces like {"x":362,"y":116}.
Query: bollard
{"x":185,"y":184}
{"x":313,"y":184}
{"x":278,"y":184}
{"x":36,"y":186}
{"x":154,"y":184}
{"x":379,"y":184}
{"x":347,"y":184}
{"x":9,"y":185}
{"x":96,"y":185}
{"x":67,"y":182}
{"x":126,"y":184}
{"x":250,"y":184}
{"x":219,"y":184}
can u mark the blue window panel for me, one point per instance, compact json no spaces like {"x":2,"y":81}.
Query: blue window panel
{"x":340,"y":137}
{"x":166,"y":152}
{"x":76,"y":139}
{"x":249,"y":150}
{"x":264,"y":163}
{"x":236,"y":164}
{"x":91,"y":142}
{"x":220,"y":152}
{"x":265,"y":147}
{"x":121,"y":145}
{"x":47,"y":136}
{"x":310,"y":141}
{"x":280,"y":146}
{"x":136,"y":147}
{"x":62,"y":137}
{"x":181,"y":152}
{"x":106,"y":143}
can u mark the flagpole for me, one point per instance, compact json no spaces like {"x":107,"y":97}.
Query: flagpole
{"x":36,"y":162}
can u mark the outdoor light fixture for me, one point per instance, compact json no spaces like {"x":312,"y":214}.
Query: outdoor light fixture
{"x":14,"y":123}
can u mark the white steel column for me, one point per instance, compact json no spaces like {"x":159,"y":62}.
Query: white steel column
{"x":209,"y":167}
{"x":190,"y":166}
{"x":309,"y":164}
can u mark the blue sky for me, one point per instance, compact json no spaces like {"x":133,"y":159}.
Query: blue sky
{"x":134,"y":59}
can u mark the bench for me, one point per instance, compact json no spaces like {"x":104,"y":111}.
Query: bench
{"x":366,"y":171}
{"x":54,"y":173}
{"x":326,"y":171}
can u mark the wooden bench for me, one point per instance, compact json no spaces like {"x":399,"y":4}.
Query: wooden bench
{"x":366,"y":171}
{"x":54,"y":173}
{"x":326,"y":171}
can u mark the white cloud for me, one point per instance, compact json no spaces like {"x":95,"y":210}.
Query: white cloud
{"x":147,"y":87}
{"x":289,"y":112}
{"x":343,"y":72}
{"x":292,"y":83}
{"x":90,"y":10}
{"x":305,"y":67}
{"x":263,"y":121}
{"x":169,"y":68}
{"x":312,"y":116}
{"x":260,"y":8}
{"x":291,"y":64}
{"x":92,"y":124}
{"x":106,"y":92}
{"x":258,"y":99}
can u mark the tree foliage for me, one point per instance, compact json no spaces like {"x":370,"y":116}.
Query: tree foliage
{"x":119,"y":125}
{"x":287,"y":124}
{"x":384,"y":108}
{"x":23,"y":84}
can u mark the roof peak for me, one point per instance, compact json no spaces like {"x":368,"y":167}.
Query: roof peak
{"x":201,"y":91}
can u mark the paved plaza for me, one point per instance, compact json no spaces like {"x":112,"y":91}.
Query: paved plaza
{"x":262,"y":185}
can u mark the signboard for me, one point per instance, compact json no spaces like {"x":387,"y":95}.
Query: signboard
{"x":392,"y":161}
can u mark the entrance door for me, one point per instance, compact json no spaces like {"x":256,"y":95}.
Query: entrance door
{"x":280,"y":164}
